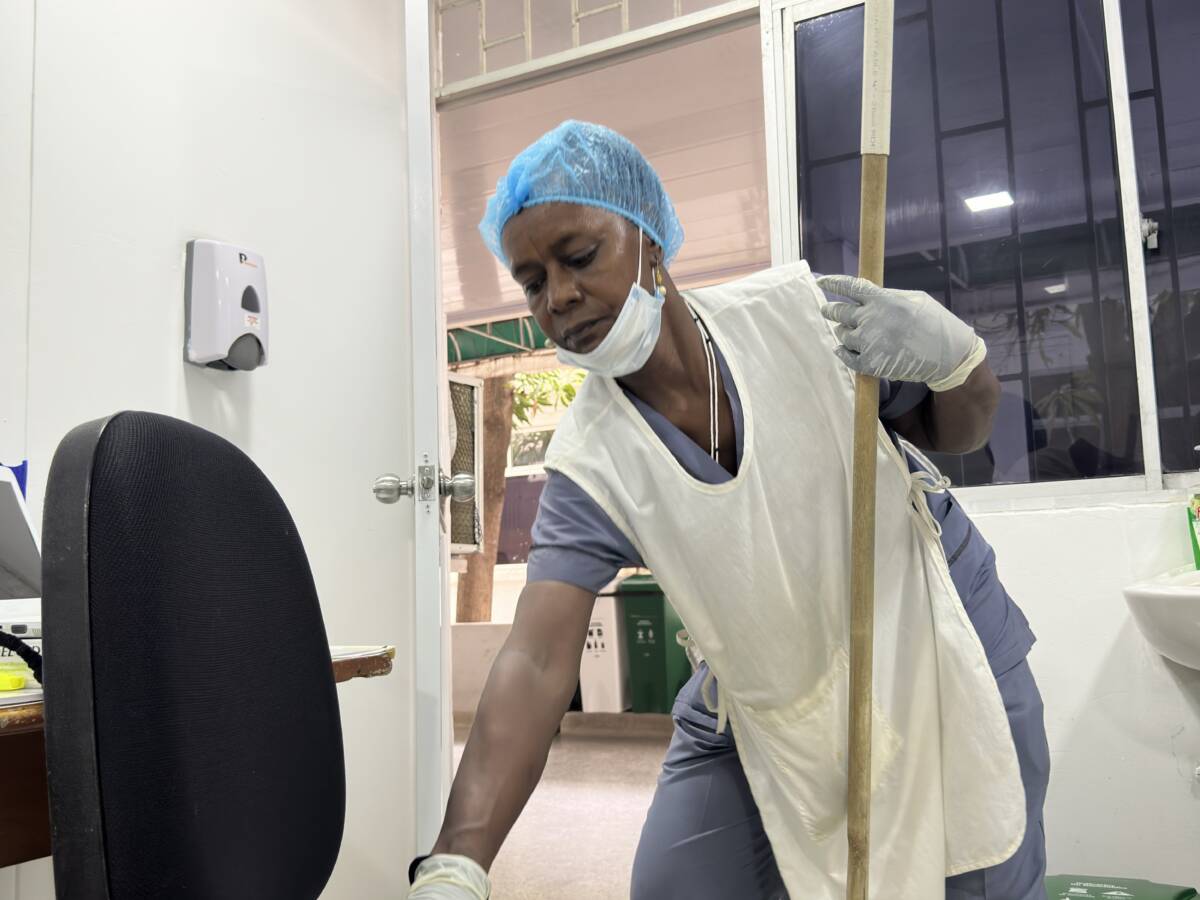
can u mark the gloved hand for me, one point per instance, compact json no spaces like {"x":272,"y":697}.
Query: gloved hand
{"x":445,"y":876}
{"x":900,"y":335}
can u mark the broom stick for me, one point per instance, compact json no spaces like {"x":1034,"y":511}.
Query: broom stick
{"x":876,"y":126}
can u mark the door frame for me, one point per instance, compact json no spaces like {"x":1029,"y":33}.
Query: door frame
{"x":431,"y":721}
{"x":778,"y":20}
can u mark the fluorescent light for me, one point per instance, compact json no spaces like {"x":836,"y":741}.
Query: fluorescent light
{"x":1056,"y":288}
{"x":989,"y":201}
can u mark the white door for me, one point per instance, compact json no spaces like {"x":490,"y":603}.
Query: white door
{"x":433,"y":727}
{"x":304,"y":133}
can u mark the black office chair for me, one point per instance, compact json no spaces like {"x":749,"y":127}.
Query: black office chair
{"x":193,"y":743}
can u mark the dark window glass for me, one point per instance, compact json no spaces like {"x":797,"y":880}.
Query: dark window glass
{"x":1002,"y":204}
{"x":1093,"y":56}
{"x":968,"y":62}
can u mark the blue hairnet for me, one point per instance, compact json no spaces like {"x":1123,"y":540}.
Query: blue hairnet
{"x":591,"y":165}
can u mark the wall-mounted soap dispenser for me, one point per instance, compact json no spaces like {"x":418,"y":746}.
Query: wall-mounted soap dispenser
{"x":225,"y":295}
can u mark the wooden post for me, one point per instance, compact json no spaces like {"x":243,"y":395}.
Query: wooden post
{"x":876,"y":122}
{"x":475,"y":585}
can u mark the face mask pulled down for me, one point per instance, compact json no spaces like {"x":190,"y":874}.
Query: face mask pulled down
{"x":632,"y":337}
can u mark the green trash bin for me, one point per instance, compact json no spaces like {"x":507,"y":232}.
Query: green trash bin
{"x":1081,"y":887}
{"x":658,"y":666}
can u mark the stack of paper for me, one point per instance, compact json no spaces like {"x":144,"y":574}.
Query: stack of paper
{"x":357,"y":651}
{"x":22,"y":697}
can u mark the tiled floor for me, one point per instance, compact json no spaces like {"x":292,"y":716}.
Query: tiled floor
{"x":577,"y":836}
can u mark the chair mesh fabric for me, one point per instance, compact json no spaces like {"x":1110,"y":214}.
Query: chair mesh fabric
{"x":218,"y":738}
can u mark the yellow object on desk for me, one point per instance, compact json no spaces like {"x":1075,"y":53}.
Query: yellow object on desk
{"x":10,"y":681}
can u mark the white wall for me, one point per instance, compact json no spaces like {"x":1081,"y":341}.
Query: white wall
{"x":507,"y":583}
{"x":32,"y":881}
{"x":1123,"y":723}
{"x":277,"y":124}
{"x":473,"y":649}
{"x":16,"y":102}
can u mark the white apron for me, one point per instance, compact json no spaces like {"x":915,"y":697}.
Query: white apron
{"x":758,"y":569}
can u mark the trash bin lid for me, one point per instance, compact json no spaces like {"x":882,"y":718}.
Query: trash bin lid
{"x":639,"y":584}
{"x":1068,"y":887}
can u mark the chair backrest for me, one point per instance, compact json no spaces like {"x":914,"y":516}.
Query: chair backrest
{"x":193,"y":741}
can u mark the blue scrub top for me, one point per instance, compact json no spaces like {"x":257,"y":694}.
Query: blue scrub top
{"x":575,"y":541}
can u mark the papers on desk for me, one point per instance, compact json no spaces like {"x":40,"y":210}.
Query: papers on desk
{"x":357,"y":651}
{"x":20,"y":559}
{"x":22,"y":697}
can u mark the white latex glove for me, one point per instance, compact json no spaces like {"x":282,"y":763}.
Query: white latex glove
{"x":900,"y":335}
{"x":445,"y":876}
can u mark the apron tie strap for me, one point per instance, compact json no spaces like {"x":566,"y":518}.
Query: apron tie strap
{"x":718,"y":706}
{"x":920,"y":484}
{"x":690,"y":648}
{"x":926,"y":480}
{"x":710,"y":683}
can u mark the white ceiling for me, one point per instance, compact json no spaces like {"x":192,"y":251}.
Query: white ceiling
{"x":696,"y":112}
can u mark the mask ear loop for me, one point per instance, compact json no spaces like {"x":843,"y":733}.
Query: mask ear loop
{"x":641,"y":238}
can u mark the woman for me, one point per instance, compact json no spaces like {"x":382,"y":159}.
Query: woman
{"x":711,"y":443}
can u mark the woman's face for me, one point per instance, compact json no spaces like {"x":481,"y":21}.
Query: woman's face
{"x":575,"y":264}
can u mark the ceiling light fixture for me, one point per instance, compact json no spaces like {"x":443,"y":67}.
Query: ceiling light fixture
{"x":997,"y":200}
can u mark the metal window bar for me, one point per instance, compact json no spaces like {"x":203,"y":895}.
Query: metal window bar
{"x":519,"y":36}
{"x":495,"y":337}
{"x":638,"y":40}
{"x":1125,"y":154}
{"x":526,"y":34}
{"x":528,"y":18}
{"x":578,"y":15}
{"x":1168,"y":240}
{"x":485,"y":45}
{"x":1110,"y":425}
{"x":442,"y":9}
{"x":1015,"y":223}
{"x":527,"y":327}
{"x":939,"y":162}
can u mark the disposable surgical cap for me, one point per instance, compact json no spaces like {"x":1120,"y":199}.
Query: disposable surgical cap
{"x":591,"y":165}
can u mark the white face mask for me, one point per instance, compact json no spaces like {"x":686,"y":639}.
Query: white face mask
{"x":632,"y":337}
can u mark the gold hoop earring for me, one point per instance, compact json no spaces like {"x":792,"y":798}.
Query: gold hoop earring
{"x":660,"y":287}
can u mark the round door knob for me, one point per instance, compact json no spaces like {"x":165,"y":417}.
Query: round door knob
{"x":390,"y":488}
{"x":460,"y":488}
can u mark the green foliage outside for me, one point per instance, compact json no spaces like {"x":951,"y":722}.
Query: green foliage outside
{"x":535,"y":391}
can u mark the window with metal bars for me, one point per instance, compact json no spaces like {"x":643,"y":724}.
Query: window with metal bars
{"x":482,"y":37}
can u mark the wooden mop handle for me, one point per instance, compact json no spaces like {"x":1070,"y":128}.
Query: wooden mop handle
{"x":876,"y":127}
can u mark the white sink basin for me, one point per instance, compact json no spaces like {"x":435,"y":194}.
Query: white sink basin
{"x":1167,"y":610}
